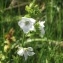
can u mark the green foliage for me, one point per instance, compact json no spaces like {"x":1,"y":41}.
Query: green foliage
{"x":33,"y":10}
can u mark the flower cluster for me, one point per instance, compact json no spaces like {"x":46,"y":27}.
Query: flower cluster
{"x":27,"y":25}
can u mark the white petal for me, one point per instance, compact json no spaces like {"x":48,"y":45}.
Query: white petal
{"x":29,"y":19}
{"x":26,"y":29}
{"x":25,"y":19}
{"x":30,"y":53}
{"x":41,"y":23}
{"x":32,"y":28}
{"x":21,"y":24}
{"x":42,"y":31}
{"x":32,"y":20}
{"x":30,"y":49}
{"x":20,"y":52}
{"x":25,"y":55}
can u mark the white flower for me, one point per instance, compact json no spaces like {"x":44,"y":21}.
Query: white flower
{"x":41,"y":26}
{"x":27,"y":24}
{"x":25,"y":52}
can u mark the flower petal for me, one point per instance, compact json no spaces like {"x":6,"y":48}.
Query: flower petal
{"x":20,"y":52}
{"x":32,"y":28}
{"x":41,"y":23}
{"x":30,"y":53}
{"x":21,"y":24}
{"x":25,"y":55}
{"x":32,"y":20}
{"x":41,"y":27}
{"x":30,"y":49}
{"x":26,"y":29}
{"x":42,"y":31}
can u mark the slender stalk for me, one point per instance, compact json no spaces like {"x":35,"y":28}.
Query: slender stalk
{"x":59,"y":25}
{"x":23,"y":39}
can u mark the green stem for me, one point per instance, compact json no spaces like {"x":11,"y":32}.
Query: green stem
{"x":23,"y":39}
{"x":51,"y":11}
{"x":59,"y":25}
